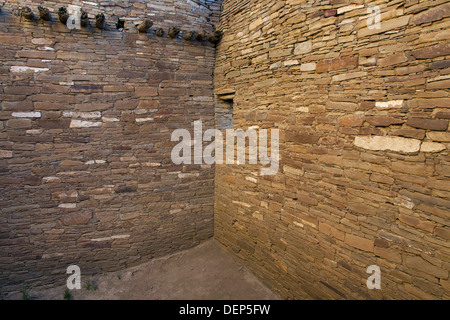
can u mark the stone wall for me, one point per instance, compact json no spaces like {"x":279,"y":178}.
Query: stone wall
{"x":364,"y":175}
{"x":86,"y":118}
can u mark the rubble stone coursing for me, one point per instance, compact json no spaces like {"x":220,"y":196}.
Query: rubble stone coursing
{"x":365,"y":169}
{"x":86,"y":118}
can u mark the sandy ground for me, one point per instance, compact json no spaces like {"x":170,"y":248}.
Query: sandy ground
{"x":206,"y":272}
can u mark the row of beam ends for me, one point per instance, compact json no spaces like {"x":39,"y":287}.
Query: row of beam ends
{"x":100,"y":22}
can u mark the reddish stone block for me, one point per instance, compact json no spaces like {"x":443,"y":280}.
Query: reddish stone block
{"x":330,"y":13}
{"x":337,"y":64}
{"x":126,"y":104}
{"x":367,"y":105}
{"x":351,"y":121}
{"x":383,"y":121}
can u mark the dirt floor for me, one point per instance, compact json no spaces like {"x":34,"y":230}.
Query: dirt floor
{"x":206,"y":272}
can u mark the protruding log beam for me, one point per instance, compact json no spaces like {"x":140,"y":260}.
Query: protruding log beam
{"x":63,"y":15}
{"x":173,"y":32}
{"x":44,"y":13}
{"x":144,"y":26}
{"x":187,"y":35}
{"x":215,"y":37}
{"x":27,"y":13}
{"x":159,"y":32}
{"x":84,"y":19}
{"x":100,"y":21}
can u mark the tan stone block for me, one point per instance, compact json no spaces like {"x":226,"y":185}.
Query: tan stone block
{"x":419,"y":169}
{"x":359,"y":243}
{"x":255,"y":24}
{"x":419,"y":264}
{"x":381,"y":178}
{"x":392,"y":60}
{"x":443,"y":84}
{"x":439,"y":136}
{"x":417,"y":222}
{"x":388,"y":254}
{"x":302,"y":48}
{"x":386,"y":25}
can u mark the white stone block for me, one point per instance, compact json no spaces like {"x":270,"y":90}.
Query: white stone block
{"x":67,"y":205}
{"x":308,"y":67}
{"x":139,"y":120}
{"x":26,"y":114}
{"x":395,"y":104}
{"x":349,"y":8}
{"x":397,"y":144}
{"x":82,"y":115}
{"x":84,"y":124}
{"x":20,"y":69}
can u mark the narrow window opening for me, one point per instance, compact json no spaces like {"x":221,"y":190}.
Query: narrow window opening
{"x":120,"y":25}
{"x":224,"y":112}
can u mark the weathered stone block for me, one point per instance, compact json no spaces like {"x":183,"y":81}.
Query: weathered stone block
{"x":431,"y":52}
{"x":419,"y":264}
{"x":433,"y":14}
{"x":17,"y":106}
{"x":352,"y":121}
{"x":303,"y":48}
{"x":432,"y":147}
{"x":410,"y":133}
{"x":4,"y":154}
{"x":394,"y":59}
{"x":337,"y":64}
{"x":428,"y":124}
{"x":126,"y":104}
{"x":146,"y":91}
{"x":78,"y":218}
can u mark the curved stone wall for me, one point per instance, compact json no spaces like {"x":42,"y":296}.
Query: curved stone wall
{"x":86,"y":118}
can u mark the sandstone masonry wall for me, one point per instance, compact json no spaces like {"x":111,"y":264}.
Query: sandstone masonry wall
{"x":365,"y":169}
{"x":86,"y":118}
